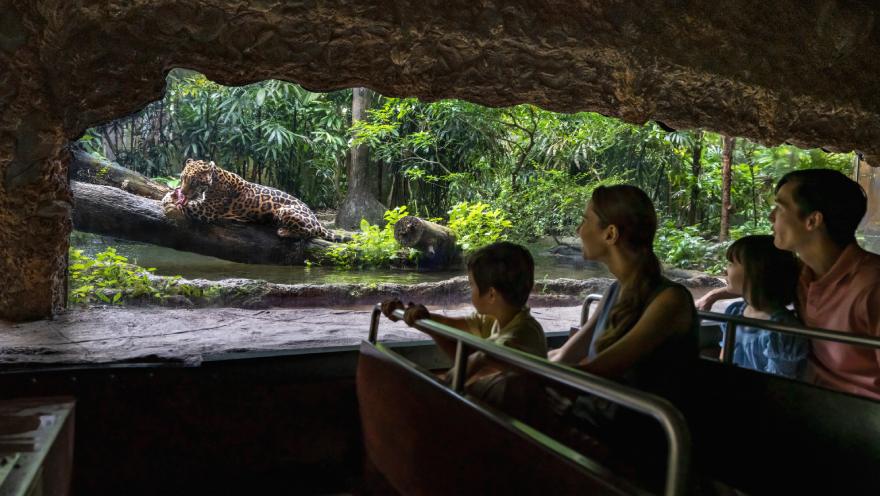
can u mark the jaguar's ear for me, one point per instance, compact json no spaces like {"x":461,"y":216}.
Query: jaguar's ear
{"x":213,"y":172}
{"x":188,"y":161}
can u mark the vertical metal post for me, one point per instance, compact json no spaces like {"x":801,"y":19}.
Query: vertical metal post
{"x":729,"y":342}
{"x":857,"y":165}
{"x":459,"y":369}
{"x":374,"y":324}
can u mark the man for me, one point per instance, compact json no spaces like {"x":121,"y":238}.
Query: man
{"x":816,"y":214}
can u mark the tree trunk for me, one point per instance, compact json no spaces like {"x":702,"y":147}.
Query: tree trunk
{"x":696,"y":170}
{"x":728,"y":144}
{"x":112,"y":212}
{"x":360,"y":202}
{"x":754,"y":193}
{"x":88,"y":168}
{"x":435,"y":242}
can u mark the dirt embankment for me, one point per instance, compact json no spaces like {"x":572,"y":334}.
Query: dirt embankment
{"x":249,"y":316}
{"x":248,"y":293}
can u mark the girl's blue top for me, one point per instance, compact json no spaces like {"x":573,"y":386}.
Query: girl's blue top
{"x":768,"y":351}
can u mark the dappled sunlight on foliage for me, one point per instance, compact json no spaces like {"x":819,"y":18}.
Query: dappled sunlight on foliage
{"x":374,"y":246}
{"x":549,"y":204}
{"x":273,"y":132}
{"x":109,"y":278}
{"x":476,"y":225}
{"x":536,"y":168}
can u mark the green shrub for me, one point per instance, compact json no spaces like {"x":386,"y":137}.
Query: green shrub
{"x":477,"y":224}
{"x":170,"y":181}
{"x":474,"y":225}
{"x":548,"y":204}
{"x":374,"y":246}
{"x":762,"y":226}
{"x":684,"y":248}
{"x":110,"y":278}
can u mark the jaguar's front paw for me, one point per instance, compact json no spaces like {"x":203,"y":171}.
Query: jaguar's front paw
{"x":171,"y":206}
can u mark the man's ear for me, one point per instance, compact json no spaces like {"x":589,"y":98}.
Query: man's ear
{"x":815,"y":220}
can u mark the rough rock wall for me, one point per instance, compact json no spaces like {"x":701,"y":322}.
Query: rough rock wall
{"x":798,"y":71}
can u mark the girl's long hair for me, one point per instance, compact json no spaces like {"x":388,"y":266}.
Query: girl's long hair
{"x":770,"y":274}
{"x":632,"y":212}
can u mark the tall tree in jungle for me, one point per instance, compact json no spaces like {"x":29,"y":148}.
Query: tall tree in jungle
{"x":360,"y":201}
{"x":728,"y":144}
{"x":696,"y":170}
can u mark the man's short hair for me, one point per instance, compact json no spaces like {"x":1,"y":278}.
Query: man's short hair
{"x":507,"y":267}
{"x":841,"y":200}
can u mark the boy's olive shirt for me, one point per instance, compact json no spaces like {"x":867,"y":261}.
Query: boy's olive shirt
{"x":523,"y":332}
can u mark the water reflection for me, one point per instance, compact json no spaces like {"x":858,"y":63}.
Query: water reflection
{"x":870,"y":242}
{"x":169,"y":262}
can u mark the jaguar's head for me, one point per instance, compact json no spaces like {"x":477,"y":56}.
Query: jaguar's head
{"x":196,"y":178}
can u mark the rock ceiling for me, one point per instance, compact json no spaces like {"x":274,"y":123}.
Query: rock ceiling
{"x":796,"y":71}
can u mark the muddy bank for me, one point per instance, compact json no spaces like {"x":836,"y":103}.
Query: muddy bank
{"x":255,"y":294}
{"x":189,"y":336}
{"x":252,"y":316}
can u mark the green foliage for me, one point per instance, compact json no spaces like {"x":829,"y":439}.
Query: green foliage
{"x":683,"y":247}
{"x":170,"y":181}
{"x":374,"y":246}
{"x":477,"y":224}
{"x":109,"y":278}
{"x":686,"y":248}
{"x":549,"y":204}
{"x":762,"y":226}
{"x":538,"y":167}
{"x":474,"y":225}
{"x":272,"y":132}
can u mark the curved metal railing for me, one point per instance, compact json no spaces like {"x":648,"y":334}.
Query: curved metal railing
{"x":735,"y":321}
{"x":670,"y":419}
{"x":585,"y":309}
{"x":809,"y":332}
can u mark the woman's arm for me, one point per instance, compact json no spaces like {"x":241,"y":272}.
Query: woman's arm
{"x":667,"y":315}
{"x":575,"y":349}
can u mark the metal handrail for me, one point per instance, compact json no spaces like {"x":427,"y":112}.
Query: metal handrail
{"x":810,"y":332}
{"x":670,"y":419}
{"x":585,"y":309}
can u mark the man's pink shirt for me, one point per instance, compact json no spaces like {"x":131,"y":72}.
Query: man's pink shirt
{"x":846,"y":299}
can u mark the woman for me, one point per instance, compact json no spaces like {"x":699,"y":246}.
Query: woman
{"x":645,"y":332}
{"x":646,"y":324}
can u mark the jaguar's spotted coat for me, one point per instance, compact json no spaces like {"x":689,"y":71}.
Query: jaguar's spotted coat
{"x":208,"y":193}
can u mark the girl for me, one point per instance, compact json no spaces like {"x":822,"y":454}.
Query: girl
{"x":766,"y":277}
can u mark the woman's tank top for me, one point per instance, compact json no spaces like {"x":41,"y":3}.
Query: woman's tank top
{"x":665,"y":372}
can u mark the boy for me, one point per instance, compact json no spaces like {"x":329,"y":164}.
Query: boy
{"x":501,"y":276}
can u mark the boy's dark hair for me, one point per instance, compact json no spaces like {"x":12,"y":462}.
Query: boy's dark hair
{"x":770,"y":274}
{"x":507,"y":267}
{"x":841,"y":200}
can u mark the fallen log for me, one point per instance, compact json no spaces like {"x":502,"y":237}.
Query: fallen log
{"x":109,"y":211}
{"x":88,"y":168}
{"x":435,"y":242}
